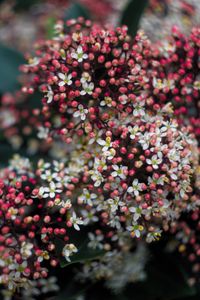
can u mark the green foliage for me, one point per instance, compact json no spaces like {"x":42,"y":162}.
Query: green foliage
{"x":76,"y":10}
{"x":84,"y":252}
{"x":132,"y":14}
{"x":10,"y":60}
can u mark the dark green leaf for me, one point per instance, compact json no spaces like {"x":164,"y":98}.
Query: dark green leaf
{"x":10,"y":60}
{"x":132,"y":14}
{"x":50,"y":27}
{"x":76,"y":10}
{"x":84,"y":253}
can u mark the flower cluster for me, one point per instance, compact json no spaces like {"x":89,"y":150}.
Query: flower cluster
{"x":40,"y":287}
{"x":88,"y":74}
{"x":128,"y":164}
{"x":98,"y":97}
{"x":177,"y":77}
{"x":32,"y":219}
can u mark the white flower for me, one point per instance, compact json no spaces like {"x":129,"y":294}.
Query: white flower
{"x":174,"y":155}
{"x":123,"y":99}
{"x":96,"y":177}
{"x":25,"y":249}
{"x":155,"y":160}
{"x":89,"y":216}
{"x":33,"y":62}
{"x":51,"y":190}
{"x":157,"y":181}
{"x":109,"y":154}
{"x":65,"y":79}
{"x":119,"y":171}
{"x":135,"y":188}
{"x":114,"y":204}
{"x":13,"y":212}
{"x":95,"y":241}
{"x":153,"y":236}
{"x":43,"y":132}
{"x":87,"y":197}
{"x":85,"y":77}
{"x":81,"y":112}
{"x":76,"y":221}
{"x":184,"y":186}
{"x":169,"y":83}
{"x":144,"y":140}
{"x":68,"y":250}
{"x":87,"y":88}
{"x":100,"y":163}
{"x":168,"y":126}
{"x":97,"y":135}
{"x":47,"y":175}
{"x":139,"y":108}
{"x":137,"y":212}
{"x":157,"y":83}
{"x":197,"y":85}
{"x":18,"y":269}
{"x":105,"y":143}
{"x":133,"y":131}
{"x":136,"y":229}
{"x":79,"y":55}
{"x":48,"y":285}
{"x":107,"y":101}
{"x":49,"y":94}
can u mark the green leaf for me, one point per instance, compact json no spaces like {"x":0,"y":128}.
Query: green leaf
{"x":10,"y":60}
{"x":50,"y":27}
{"x":132,"y":14}
{"x":84,"y":253}
{"x":76,"y":10}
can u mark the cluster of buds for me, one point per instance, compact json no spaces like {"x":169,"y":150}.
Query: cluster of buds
{"x":88,"y":75}
{"x":32,"y":219}
{"x":178,"y":79}
{"x":97,"y":86}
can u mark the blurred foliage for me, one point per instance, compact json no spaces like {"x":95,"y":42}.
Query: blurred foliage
{"x":81,"y":242}
{"x":132,"y":14}
{"x":76,"y":10}
{"x":10,"y":60}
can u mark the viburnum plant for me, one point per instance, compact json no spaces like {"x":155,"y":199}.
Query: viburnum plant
{"x":96,"y":83}
{"x":177,"y":77}
{"x":129,"y":169}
